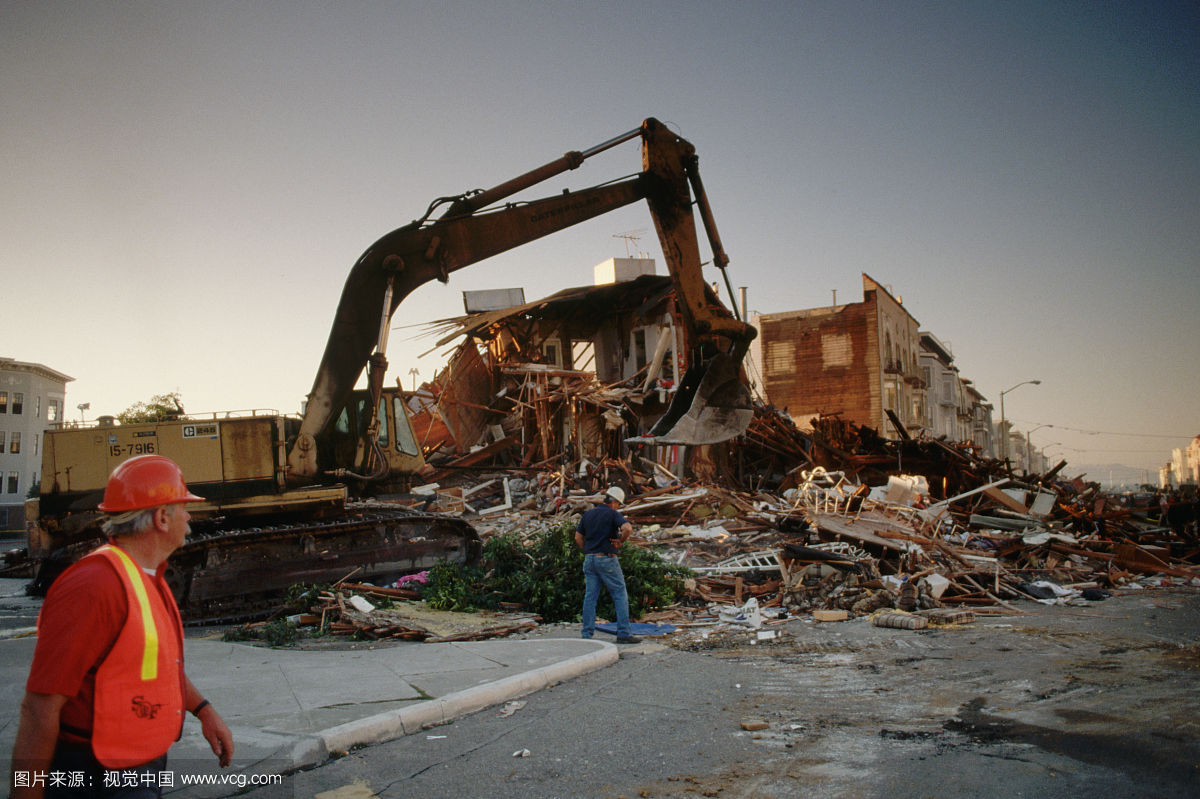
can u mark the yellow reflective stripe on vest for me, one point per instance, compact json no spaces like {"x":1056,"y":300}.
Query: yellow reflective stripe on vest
{"x":149,"y":628}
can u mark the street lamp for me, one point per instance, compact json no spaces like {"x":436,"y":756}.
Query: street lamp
{"x":1028,"y":436}
{"x":1003,"y":426}
{"x":414,"y":372}
{"x":83,"y":406}
{"x":1030,"y":450}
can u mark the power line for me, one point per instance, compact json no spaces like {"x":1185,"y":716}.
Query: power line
{"x":1107,"y":432}
{"x":1116,"y":450}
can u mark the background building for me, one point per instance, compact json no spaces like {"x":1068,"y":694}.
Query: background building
{"x":945,"y":399}
{"x":858,"y":359}
{"x":981,"y":428}
{"x":32,"y":398}
{"x":1184,"y":468}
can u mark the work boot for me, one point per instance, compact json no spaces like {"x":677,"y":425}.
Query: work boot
{"x":628,"y":639}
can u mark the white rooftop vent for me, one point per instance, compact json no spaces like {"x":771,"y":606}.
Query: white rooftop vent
{"x":620,"y":270}
{"x":492,"y":299}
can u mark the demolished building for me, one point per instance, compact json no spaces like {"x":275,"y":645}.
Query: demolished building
{"x":565,"y":378}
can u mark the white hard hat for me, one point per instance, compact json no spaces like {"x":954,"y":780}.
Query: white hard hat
{"x":617,"y":493}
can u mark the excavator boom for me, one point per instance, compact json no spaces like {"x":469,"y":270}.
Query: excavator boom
{"x":268,"y":525}
{"x":466,"y":233}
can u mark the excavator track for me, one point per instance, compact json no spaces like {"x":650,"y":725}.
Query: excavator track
{"x":237,"y":574}
{"x":227,"y":575}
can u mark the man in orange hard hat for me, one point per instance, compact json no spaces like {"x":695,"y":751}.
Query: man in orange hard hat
{"x":107,"y":690}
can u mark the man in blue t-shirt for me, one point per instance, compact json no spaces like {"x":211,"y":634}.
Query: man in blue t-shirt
{"x":600,"y":533}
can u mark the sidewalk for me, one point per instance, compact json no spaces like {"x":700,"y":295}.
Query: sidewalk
{"x":292,"y":708}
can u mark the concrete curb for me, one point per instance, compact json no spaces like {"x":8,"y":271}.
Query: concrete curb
{"x":408,"y":720}
{"x":18,"y":632}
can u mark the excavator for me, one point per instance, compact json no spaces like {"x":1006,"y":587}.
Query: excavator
{"x":288,"y":501}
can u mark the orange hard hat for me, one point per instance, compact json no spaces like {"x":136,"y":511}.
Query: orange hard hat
{"x":146,"y":481}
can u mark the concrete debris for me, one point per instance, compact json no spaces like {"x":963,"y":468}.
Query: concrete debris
{"x":511,"y":708}
{"x":747,"y":615}
{"x":830,"y":615}
{"x":899,"y":620}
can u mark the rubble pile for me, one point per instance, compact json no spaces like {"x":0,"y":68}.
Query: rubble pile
{"x":835,"y":523}
{"x":841,"y":519}
{"x":543,"y":404}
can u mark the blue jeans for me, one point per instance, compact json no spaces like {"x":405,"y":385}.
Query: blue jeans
{"x":604,"y":569}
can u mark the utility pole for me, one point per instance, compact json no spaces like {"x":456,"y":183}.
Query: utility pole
{"x":1003,"y":427}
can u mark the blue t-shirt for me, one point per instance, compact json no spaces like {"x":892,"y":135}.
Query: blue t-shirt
{"x":599,"y":526}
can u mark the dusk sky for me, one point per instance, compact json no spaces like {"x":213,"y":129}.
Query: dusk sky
{"x":186,"y":185}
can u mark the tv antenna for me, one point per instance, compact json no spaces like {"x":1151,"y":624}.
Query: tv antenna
{"x":631,"y":237}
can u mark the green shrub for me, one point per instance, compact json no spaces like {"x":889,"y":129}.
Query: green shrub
{"x":545,"y":574}
{"x":306,"y":598}
{"x":278,"y":632}
{"x":241,"y":633}
{"x":454,"y":587}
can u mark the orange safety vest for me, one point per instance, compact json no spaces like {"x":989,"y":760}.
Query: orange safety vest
{"x":137,"y":712}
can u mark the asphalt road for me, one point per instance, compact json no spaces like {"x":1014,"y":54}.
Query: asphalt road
{"x":1097,"y":700}
{"x":1093,"y":700}
{"x":18,"y":611}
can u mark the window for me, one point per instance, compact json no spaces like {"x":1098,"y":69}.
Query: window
{"x":18,"y":403}
{"x":3,"y":402}
{"x":13,"y":480}
{"x":342,"y":425}
{"x":364,"y":419}
{"x":52,"y":411}
{"x":639,"y":348}
{"x":550,"y":354}
{"x":583,"y":354}
{"x":405,"y":442}
{"x":383,"y":423}
{"x":15,"y":443}
{"x":37,"y":405}
{"x":1,"y":442}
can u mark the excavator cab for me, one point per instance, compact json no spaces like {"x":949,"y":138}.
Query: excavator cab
{"x":387,"y":459}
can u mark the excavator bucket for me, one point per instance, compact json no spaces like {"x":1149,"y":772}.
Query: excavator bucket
{"x":711,"y":405}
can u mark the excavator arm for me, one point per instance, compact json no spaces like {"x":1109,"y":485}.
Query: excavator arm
{"x":426,"y":250}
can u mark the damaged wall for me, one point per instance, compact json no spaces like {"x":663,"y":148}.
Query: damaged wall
{"x":858,"y":359}
{"x":897,"y":339}
{"x":816,"y":362}
{"x":466,"y":389}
